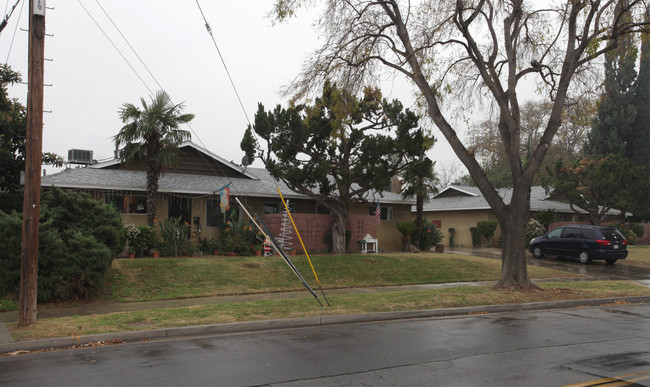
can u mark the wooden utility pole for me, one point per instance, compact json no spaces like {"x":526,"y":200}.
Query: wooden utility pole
{"x":33,"y":158}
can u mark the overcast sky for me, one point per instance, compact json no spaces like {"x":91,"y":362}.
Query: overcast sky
{"x":90,"y":80}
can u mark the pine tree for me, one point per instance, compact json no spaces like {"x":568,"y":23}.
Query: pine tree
{"x":639,"y":149}
{"x":612,"y":130}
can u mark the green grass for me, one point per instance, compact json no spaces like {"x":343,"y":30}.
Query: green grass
{"x":131,"y":280}
{"x":306,"y":306}
{"x":638,"y":256}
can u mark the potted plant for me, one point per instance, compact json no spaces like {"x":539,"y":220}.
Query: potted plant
{"x":257,"y":248}
{"x":131,"y":252}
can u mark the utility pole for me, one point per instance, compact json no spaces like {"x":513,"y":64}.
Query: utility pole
{"x":33,"y":157}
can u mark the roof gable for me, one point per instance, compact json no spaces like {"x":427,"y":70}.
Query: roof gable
{"x":194,"y":160}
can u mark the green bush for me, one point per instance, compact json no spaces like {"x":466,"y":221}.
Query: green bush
{"x":638,"y":229}
{"x":486,"y":228}
{"x":208,"y":245}
{"x":631,"y":231}
{"x":174,"y":234}
{"x":476,"y":236}
{"x":141,"y":239}
{"x":534,"y":228}
{"x":429,"y":237}
{"x":78,"y":239}
{"x":10,"y":241}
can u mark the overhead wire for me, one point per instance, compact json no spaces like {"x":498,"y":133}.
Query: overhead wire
{"x":157,"y":83}
{"x":115,"y":46}
{"x":20,"y":13}
{"x":207,"y":27}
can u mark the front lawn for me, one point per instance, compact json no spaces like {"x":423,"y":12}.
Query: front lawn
{"x":638,"y":256}
{"x":131,"y":280}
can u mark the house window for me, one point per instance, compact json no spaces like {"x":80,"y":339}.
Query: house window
{"x":386,"y":212}
{"x":322,"y":210}
{"x":127,"y":204}
{"x":213,"y":214}
{"x":277,"y":208}
{"x":270,"y":208}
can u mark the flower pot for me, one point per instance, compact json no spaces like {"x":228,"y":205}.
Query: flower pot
{"x":292,"y":252}
{"x":232,"y":254}
{"x":156,"y":254}
{"x":131,"y":255}
{"x":216,"y":252}
{"x":258,"y":253}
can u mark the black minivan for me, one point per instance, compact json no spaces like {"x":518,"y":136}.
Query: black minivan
{"x":583,"y":242}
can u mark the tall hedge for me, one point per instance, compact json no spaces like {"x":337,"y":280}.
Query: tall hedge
{"x":78,"y":239}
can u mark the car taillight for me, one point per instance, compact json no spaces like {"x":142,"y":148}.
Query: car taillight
{"x":603,"y":242}
{"x":625,"y":242}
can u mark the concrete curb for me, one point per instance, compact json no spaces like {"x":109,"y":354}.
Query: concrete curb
{"x":257,"y":326}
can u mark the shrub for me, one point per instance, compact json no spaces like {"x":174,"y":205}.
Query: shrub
{"x":208,"y":245}
{"x":476,"y":236}
{"x":78,"y":238}
{"x":638,"y":229}
{"x":174,"y":234}
{"x":406,"y":228}
{"x":534,"y":228}
{"x":452,"y":233}
{"x":141,"y":239}
{"x":486,"y":228}
{"x":10,"y":242}
{"x":430,"y":236}
{"x":629,"y":232}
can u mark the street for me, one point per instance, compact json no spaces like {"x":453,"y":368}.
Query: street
{"x":550,"y":348}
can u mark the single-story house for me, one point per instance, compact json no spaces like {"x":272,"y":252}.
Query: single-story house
{"x":190,"y":190}
{"x":462,"y":207}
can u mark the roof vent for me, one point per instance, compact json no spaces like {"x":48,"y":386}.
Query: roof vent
{"x":80,"y":156}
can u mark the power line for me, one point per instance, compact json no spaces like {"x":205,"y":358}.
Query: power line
{"x":207,"y":27}
{"x":6,"y":19}
{"x":159,"y":85}
{"x":117,"y":49}
{"x":129,"y":44}
{"x":14,"y":35}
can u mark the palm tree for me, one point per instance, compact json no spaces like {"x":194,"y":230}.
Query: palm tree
{"x":419,"y":181}
{"x":152,"y":137}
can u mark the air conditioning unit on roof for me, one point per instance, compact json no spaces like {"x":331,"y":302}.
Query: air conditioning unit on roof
{"x":80,"y":156}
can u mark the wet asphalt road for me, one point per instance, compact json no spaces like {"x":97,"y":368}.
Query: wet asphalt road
{"x":546,"y":348}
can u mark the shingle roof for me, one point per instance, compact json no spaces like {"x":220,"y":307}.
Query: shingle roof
{"x":258,"y":182}
{"x":455,"y":198}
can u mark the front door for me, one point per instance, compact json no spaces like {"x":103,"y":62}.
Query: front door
{"x":180,"y":207}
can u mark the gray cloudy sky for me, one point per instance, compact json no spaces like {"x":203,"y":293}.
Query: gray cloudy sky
{"x":90,"y":80}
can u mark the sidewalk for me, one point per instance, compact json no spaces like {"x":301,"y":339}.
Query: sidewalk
{"x":7,"y":344}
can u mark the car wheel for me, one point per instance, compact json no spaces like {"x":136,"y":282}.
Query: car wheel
{"x":584,"y":257}
{"x":610,"y":261}
{"x":537,"y":252}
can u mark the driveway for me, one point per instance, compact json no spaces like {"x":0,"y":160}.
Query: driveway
{"x":621,"y":270}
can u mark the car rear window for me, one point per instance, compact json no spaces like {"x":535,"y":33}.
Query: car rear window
{"x":612,"y":234}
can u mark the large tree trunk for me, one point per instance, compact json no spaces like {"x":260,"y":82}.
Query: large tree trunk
{"x":514,"y":272}
{"x":338,"y":231}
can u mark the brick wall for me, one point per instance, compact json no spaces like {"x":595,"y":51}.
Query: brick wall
{"x":313,"y":227}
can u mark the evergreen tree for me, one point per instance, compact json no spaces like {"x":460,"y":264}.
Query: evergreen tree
{"x":612,"y":129}
{"x":639,"y":149}
{"x":338,"y":151}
